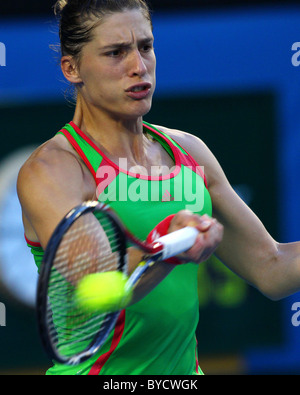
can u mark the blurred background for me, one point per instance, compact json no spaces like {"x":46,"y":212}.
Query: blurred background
{"x":227,"y":72}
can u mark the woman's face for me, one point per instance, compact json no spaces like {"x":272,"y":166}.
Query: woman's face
{"x":117,"y":68}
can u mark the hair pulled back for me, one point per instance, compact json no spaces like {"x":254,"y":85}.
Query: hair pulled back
{"x":78,"y":18}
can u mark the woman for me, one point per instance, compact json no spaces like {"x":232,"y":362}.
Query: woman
{"x":147,"y":174}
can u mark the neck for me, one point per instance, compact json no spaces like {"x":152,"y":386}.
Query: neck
{"x":118,"y":138}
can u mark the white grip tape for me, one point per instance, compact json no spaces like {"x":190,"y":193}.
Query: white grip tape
{"x":179,"y":241}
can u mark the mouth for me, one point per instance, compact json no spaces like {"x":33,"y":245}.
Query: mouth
{"x":141,"y":87}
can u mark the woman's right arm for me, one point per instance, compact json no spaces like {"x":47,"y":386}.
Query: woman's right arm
{"x":50,"y":183}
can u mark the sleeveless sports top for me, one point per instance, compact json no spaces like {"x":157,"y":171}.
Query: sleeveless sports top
{"x":155,"y":336}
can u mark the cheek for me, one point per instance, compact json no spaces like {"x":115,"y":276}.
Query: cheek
{"x":104,"y":88}
{"x":94,"y":72}
{"x":153,"y":59}
{"x":102,"y":82}
{"x":152,"y":66}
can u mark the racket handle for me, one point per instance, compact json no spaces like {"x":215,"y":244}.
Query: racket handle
{"x":175,"y":243}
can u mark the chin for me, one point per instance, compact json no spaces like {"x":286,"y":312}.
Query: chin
{"x":137,"y":115}
{"x":132,"y":110}
{"x":140,"y":110}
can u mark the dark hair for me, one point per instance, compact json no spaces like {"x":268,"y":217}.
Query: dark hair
{"x":78,"y":18}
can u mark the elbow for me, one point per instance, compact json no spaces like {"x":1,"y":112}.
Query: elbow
{"x":273,"y":295}
{"x":275,"y":290}
{"x":270,"y":280}
{"x":267,"y":288}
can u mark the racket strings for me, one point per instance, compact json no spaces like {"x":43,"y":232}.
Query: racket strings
{"x":87,"y":247}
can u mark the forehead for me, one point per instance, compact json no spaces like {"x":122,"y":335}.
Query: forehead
{"x":122,"y":26}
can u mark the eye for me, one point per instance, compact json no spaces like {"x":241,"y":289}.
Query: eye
{"x":147,"y":48}
{"x":114,"y":54}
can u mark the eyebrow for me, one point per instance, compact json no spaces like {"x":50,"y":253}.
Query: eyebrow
{"x":123,"y":44}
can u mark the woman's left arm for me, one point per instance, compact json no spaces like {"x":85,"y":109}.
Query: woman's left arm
{"x":247,"y":248}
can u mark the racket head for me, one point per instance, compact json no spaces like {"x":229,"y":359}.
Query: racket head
{"x":69,"y":334}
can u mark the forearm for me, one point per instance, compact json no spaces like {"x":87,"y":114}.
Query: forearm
{"x":251,"y":252}
{"x":272,"y":268}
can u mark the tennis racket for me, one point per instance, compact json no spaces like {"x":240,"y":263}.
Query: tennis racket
{"x":90,"y":239}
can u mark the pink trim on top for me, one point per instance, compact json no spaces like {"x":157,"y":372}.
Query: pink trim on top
{"x":197,"y":168}
{"x":196,"y":356}
{"x":32,"y":243}
{"x":118,"y":333}
{"x":77,"y":148}
{"x":183,"y":160}
{"x":149,"y":178}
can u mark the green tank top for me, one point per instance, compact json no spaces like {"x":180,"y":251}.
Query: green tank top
{"x":155,"y":336}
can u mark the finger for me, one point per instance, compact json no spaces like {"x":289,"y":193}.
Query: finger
{"x":204,"y":223}
{"x":206,"y":243}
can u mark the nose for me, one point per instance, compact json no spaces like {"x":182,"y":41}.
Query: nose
{"x":137,"y":65}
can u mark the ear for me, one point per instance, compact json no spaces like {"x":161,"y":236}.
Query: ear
{"x":70,"y":69}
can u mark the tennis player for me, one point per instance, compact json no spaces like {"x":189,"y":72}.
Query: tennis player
{"x":152,"y":177}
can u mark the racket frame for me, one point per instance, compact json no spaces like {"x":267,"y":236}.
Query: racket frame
{"x":42,"y":296}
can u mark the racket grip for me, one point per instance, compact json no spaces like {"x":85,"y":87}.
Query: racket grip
{"x":175,"y":243}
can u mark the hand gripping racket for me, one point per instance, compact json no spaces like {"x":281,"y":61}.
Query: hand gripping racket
{"x":90,"y":239}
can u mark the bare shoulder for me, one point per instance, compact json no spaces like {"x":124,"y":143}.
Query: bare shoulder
{"x":50,"y":183}
{"x":47,"y":163}
{"x":49,"y":152}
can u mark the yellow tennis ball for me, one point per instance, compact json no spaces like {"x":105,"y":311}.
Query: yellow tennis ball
{"x":103,"y":292}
